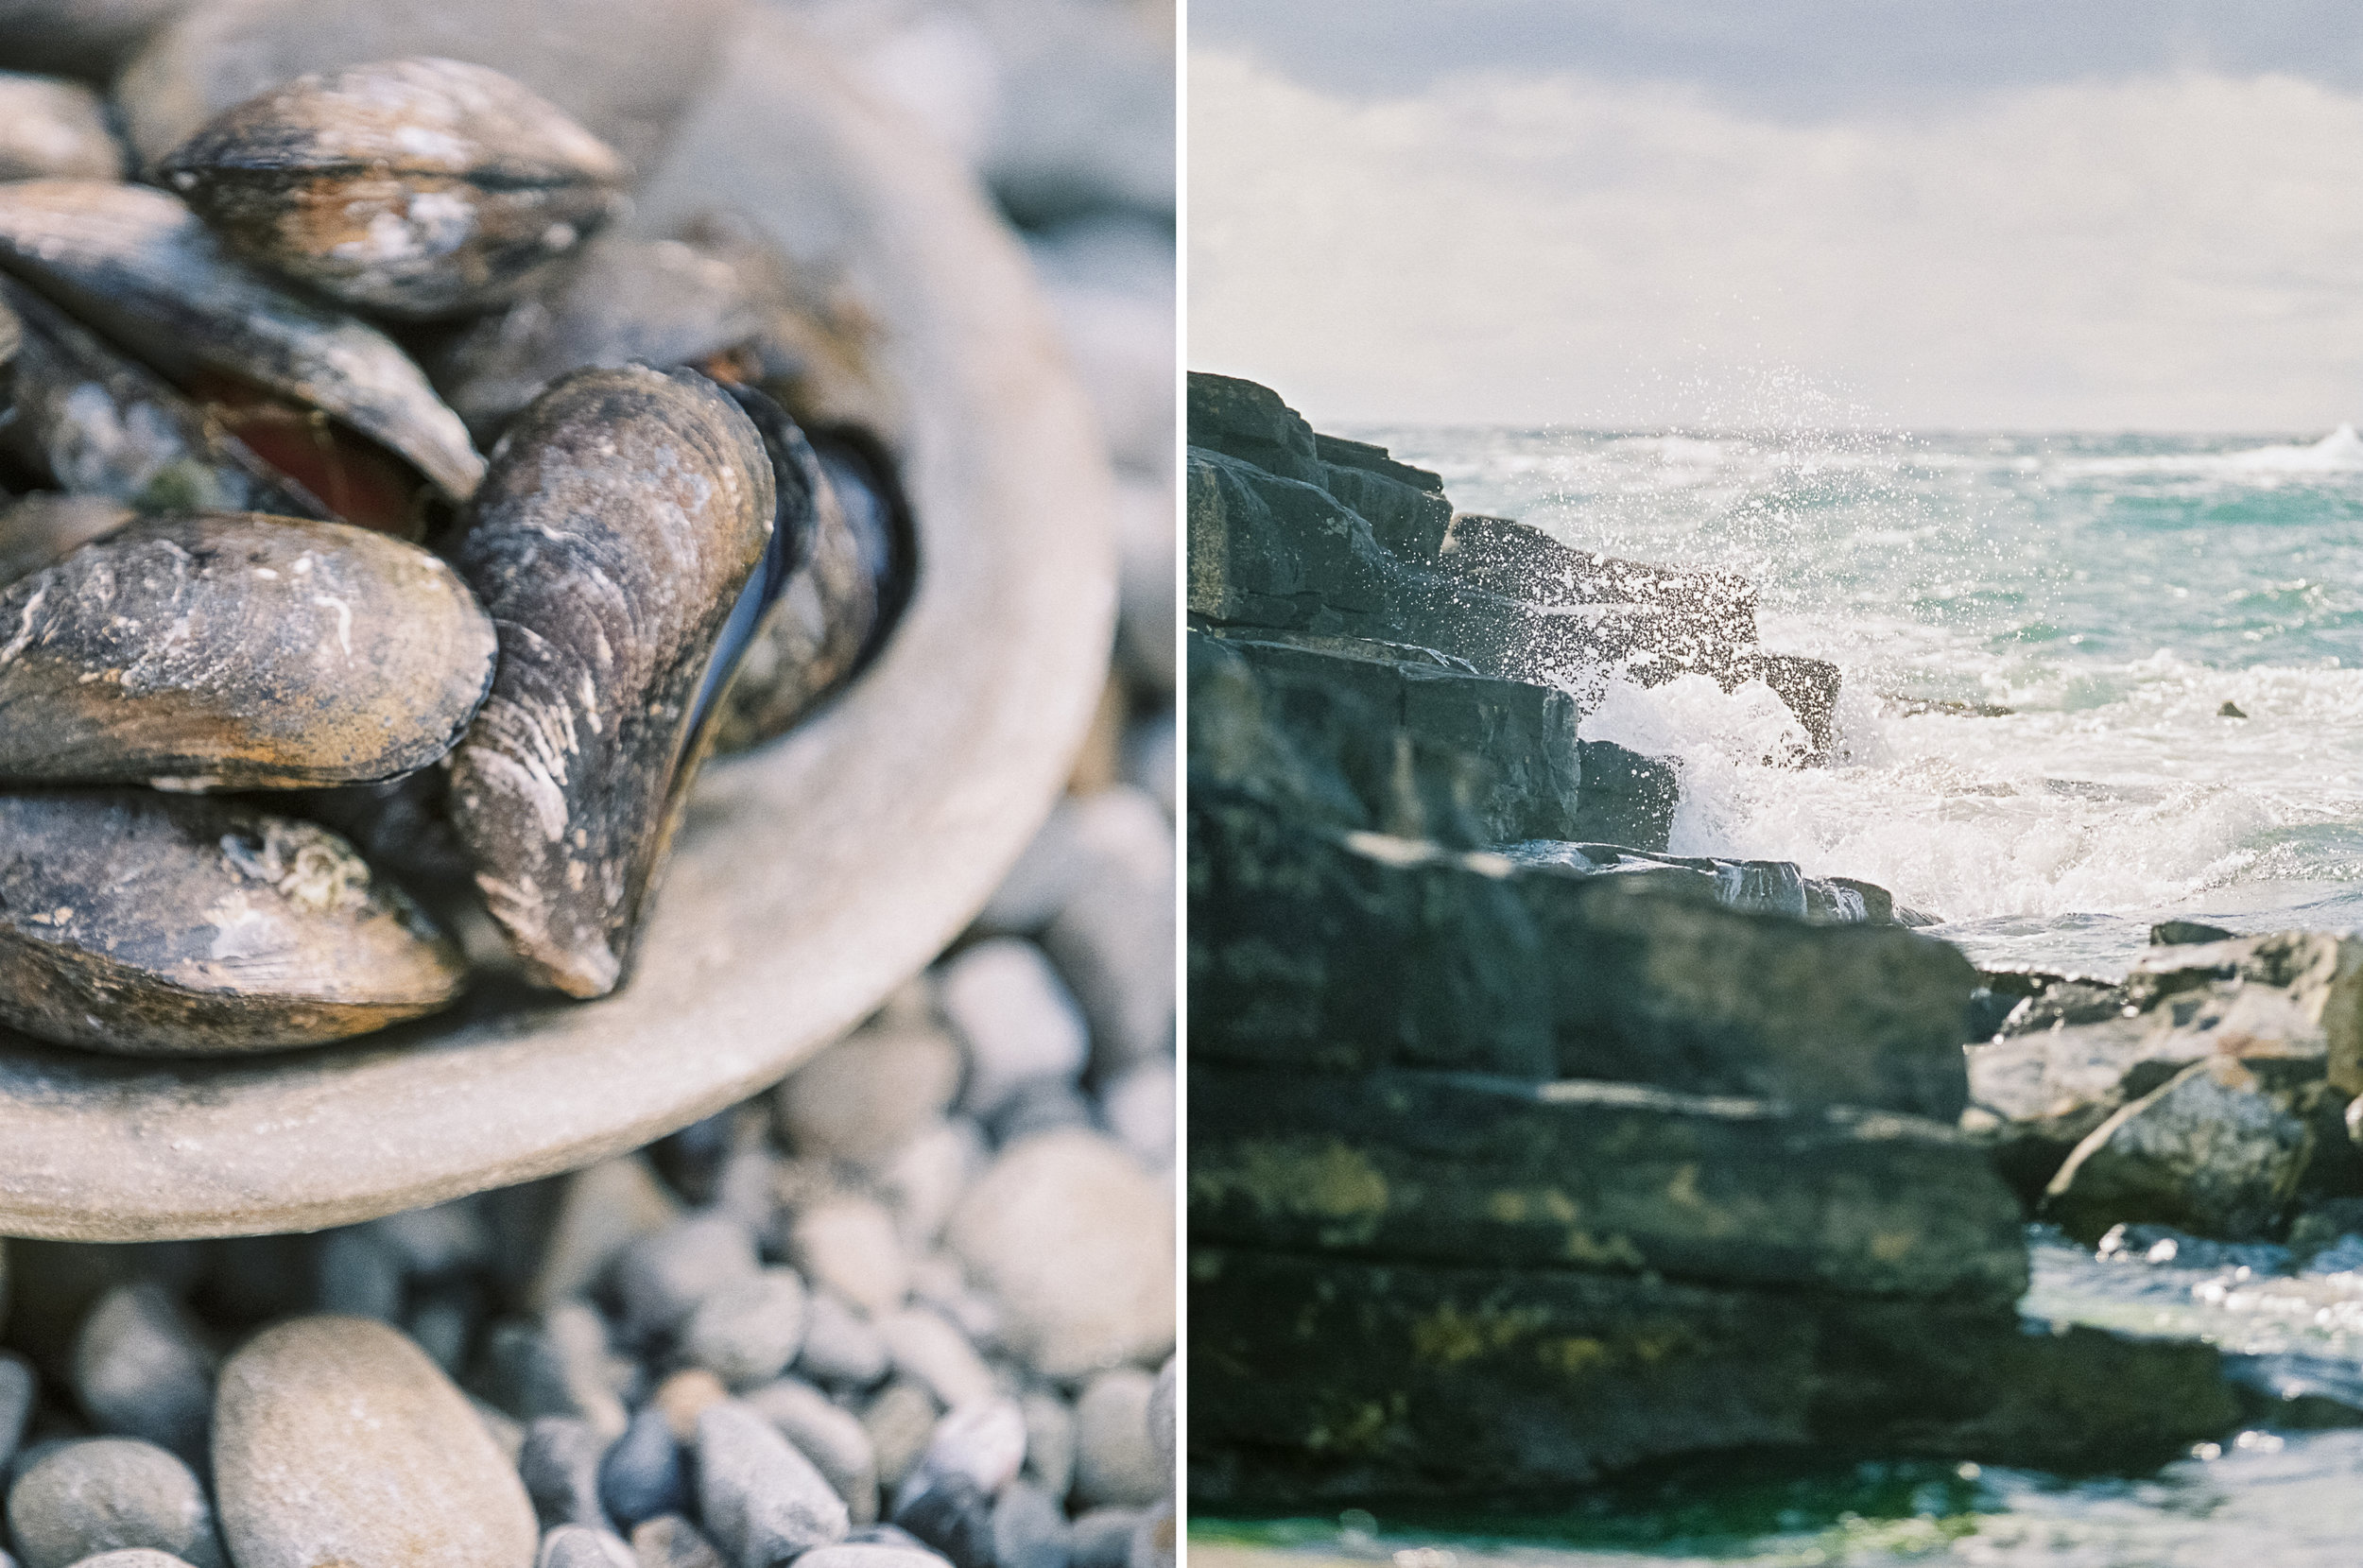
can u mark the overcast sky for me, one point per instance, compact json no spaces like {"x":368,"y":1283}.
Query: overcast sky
{"x":1920,"y":212}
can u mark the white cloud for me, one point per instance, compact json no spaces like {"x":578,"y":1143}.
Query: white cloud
{"x":2180,"y":252}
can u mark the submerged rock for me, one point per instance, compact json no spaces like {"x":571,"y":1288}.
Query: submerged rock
{"x":2211,"y":1151}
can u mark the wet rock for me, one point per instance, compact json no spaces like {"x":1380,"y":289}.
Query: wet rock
{"x":840,"y":1345}
{"x":1115,"y":1460}
{"x":2211,"y":1152}
{"x":1417,"y":750}
{"x":560,"y":1466}
{"x":580,"y":1546}
{"x":660,"y":1279}
{"x":830,"y":1436}
{"x":1454,"y":1168}
{"x":868,"y":1094}
{"x":1030,"y":1529}
{"x":2178,"y":933}
{"x":335,"y":1440}
{"x":849,"y":1245}
{"x":643,"y":1475}
{"x":900,"y":1418}
{"x":748,"y":1332}
{"x":672,"y":1542}
{"x":1015,"y":1016}
{"x":52,"y":129}
{"x":141,"y":1370}
{"x":761,"y":1499}
{"x":1073,"y":1241}
{"x":603,"y":1210}
{"x":1344,"y":951}
{"x":107,"y":1494}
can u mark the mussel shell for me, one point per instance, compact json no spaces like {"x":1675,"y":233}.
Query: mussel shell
{"x":820,"y":598}
{"x":92,"y":421}
{"x":41,"y":530}
{"x":153,"y":924}
{"x":621,"y":300}
{"x":622,"y":516}
{"x":420,"y":187}
{"x":137,"y":266}
{"x":228,"y":650}
{"x":51,"y":129}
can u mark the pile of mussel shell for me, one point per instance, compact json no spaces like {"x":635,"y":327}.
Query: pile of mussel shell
{"x":297,"y":688}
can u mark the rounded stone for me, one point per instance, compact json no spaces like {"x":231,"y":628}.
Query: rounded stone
{"x":1115,"y":1458}
{"x":870,"y":1555}
{"x":140,"y":1371}
{"x":1074,"y":1241}
{"x":661,"y":1278}
{"x":832,"y":1437}
{"x":582,"y":1546}
{"x":850,"y":1244}
{"x":748,"y":1332}
{"x":761,"y":1500}
{"x":1009,"y":1007}
{"x":841,"y":1347}
{"x":335,"y":1439}
{"x":866,"y":1096}
{"x":134,"y":1556}
{"x":107,"y":1494}
{"x":933,"y":1353}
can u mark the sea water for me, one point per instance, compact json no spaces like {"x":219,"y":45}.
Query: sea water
{"x":2038,"y":637}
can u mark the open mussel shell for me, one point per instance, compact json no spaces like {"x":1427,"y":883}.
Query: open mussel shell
{"x":154,"y":925}
{"x":135,"y":264}
{"x":93,"y":421}
{"x":418,"y":187}
{"x":622,"y":516}
{"x":820,"y":598}
{"x":40,"y":529}
{"x":226,"y":651}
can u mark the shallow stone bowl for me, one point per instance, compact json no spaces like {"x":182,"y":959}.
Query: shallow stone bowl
{"x":811,"y":877}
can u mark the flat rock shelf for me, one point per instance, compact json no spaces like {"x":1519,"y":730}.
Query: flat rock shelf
{"x":810,"y":878}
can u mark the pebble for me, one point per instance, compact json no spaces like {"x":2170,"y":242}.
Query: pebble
{"x":18,"y":1386}
{"x":1154,"y":1540}
{"x":508,"y":1436}
{"x":761,"y":1501}
{"x":925,"y":1180}
{"x":686,"y":1396}
{"x":560,"y":1466}
{"x":841,"y":1347}
{"x":848,"y":1244}
{"x":865,"y":1097}
{"x":899,"y":1420}
{"x":438,"y":1241}
{"x":133,"y":1557}
{"x":1049,"y":1443}
{"x":1102,"y":1537}
{"x":980,"y":1444}
{"x":1141,"y":1104}
{"x":938,"y":1282}
{"x":443,"y":1324}
{"x":1037,"y":886}
{"x":580,"y":1546}
{"x":108,"y":1494}
{"x":1074,"y":1241}
{"x":953,"y":1516}
{"x":1030,"y":1529}
{"x":748,"y":1332}
{"x":938,"y":1356}
{"x":141,"y":1370}
{"x":1115,"y":1458}
{"x":746,"y":1183}
{"x":1113,"y":940}
{"x":335,"y":1439}
{"x":830,"y":1436}
{"x":870,"y":1555}
{"x":671,"y":1541}
{"x":643,"y":1475}
{"x":357,"y":1275}
{"x":1152,"y":761}
{"x":1037,"y":1106}
{"x":600,"y":1212}
{"x":1013,"y":1013}
{"x":52,"y":129}
{"x":1164,"y":1424}
{"x":557,"y":1367}
{"x":660,"y":1279}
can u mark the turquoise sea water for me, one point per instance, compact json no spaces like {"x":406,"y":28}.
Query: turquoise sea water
{"x":2038,"y":633}
{"x":2112,"y":593}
